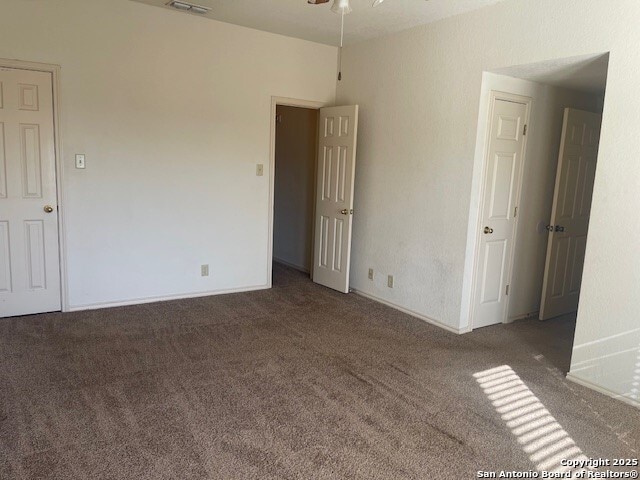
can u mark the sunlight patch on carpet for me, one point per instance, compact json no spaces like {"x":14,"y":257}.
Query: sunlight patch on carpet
{"x":536,"y":430}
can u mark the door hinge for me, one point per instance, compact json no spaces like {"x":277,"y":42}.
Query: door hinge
{"x":515,"y":212}
{"x":525,"y":130}
{"x":507,"y":290}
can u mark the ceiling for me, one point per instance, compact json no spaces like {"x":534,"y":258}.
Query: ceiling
{"x":296,"y":18}
{"x":586,"y":73}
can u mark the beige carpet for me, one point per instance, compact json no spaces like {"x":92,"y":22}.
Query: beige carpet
{"x":294,"y":382}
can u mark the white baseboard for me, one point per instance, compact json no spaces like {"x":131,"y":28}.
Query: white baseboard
{"x":604,"y":391}
{"x":291,"y":265}
{"x":164,"y":298}
{"x":524,"y":316}
{"x":408,"y":311}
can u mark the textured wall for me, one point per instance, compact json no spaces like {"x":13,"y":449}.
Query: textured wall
{"x":419,"y":94}
{"x":173,"y":113}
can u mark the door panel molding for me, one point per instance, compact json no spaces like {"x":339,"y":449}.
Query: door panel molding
{"x":334,"y":203}
{"x":5,"y":258}
{"x":577,"y":163}
{"x":54,"y":70}
{"x":506,"y":129}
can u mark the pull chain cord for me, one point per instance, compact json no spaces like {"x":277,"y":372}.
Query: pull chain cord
{"x":340,"y":51}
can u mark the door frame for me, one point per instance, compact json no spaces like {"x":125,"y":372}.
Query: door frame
{"x":54,"y":70}
{"x":287,"y":102}
{"x":508,"y":97}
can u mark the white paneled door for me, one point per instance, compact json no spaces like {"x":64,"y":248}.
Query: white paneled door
{"x":501,"y":192}
{"x":570,"y":213}
{"x":29,"y":257}
{"x":337,"y":138}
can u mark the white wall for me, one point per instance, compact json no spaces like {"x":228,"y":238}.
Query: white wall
{"x":541,"y":159}
{"x":419,"y":93}
{"x":294,"y":186}
{"x":173,"y":113}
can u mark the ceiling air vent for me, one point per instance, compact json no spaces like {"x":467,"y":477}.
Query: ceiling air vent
{"x":188,"y":7}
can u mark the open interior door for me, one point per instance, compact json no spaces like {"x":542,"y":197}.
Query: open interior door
{"x":570,"y":213}
{"x":336,"y":167}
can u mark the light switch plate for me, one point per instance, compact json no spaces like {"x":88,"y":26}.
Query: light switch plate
{"x":259,"y":170}
{"x":390,"y":281}
{"x":80,"y":160}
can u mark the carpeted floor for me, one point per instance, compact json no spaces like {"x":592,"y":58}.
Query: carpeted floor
{"x":293,"y":382}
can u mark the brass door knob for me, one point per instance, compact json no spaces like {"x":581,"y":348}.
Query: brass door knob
{"x":48,"y":208}
{"x":488,"y":230}
{"x":344,"y":211}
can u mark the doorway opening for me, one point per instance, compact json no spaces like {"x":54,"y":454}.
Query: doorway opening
{"x":538,"y":272}
{"x":294,"y":186}
{"x":311,"y":201}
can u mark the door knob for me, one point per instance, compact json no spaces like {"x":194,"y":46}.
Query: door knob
{"x":344,"y":211}
{"x":549,"y":228}
{"x":488,"y":230}
{"x":48,"y":208}
{"x":559,"y":228}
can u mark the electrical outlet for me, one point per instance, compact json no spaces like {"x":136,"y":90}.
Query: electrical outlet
{"x":204,"y":270}
{"x":371,"y":274}
{"x":390,"y":281}
{"x":259,"y":170}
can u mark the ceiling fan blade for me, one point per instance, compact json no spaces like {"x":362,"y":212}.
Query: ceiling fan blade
{"x":317,"y":2}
